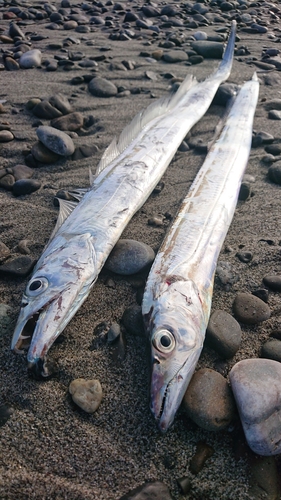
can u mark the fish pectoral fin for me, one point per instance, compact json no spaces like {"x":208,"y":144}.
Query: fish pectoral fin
{"x":66,"y":207}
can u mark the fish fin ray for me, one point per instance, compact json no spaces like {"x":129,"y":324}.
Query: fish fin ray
{"x":78,"y":193}
{"x":111,"y":152}
{"x":66,"y":207}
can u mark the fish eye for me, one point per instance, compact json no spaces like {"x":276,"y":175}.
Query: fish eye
{"x":37,"y":286}
{"x":164,"y":341}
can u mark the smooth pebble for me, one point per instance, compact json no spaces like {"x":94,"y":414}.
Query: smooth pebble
{"x":129,"y":257}
{"x":87,"y":394}
{"x":30,"y":59}
{"x":55,"y":140}
{"x":250,"y":309}
{"x":223,"y":334}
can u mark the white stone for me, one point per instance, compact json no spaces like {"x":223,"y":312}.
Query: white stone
{"x":31,"y":59}
{"x":257,"y":391}
{"x":86,"y":393}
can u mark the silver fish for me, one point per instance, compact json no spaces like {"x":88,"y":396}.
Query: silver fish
{"x":177,"y":299}
{"x":85,"y":234}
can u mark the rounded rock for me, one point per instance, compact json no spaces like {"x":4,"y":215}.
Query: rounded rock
{"x":208,"y":400}
{"x":31,"y":59}
{"x":249,"y":309}
{"x":129,"y":257}
{"x":25,"y":186}
{"x":175,"y":56}
{"x":87,"y":394}
{"x":223,"y":334}
{"x":133,"y":321}
{"x":55,"y":140}
{"x":273,"y":281}
{"x":256,"y":387}
{"x":272,"y":350}
{"x":6,"y":136}
{"x":274,"y":173}
{"x":100,"y":87}
{"x":72,"y":121}
{"x":207,"y":49}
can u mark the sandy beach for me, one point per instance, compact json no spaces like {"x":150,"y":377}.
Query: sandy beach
{"x":49,"y":448}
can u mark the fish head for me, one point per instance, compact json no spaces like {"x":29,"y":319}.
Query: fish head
{"x":60,"y":283}
{"x":177,"y":323}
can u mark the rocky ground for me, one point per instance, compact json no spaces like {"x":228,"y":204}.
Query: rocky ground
{"x":92,"y":67}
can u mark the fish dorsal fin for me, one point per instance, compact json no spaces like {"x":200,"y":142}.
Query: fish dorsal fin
{"x":108,"y":156}
{"x":131,"y":131}
{"x":66,"y":207}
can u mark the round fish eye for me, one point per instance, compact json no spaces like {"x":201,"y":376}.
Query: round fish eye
{"x":37,"y":286}
{"x":164,"y":341}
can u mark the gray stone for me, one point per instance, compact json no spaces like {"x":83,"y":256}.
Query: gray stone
{"x":273,"y":149}
{"x":43,"y":154}
{"x":203,"y":452}
{"x":257,"y":391}
{"x":18,"y":267}
{"x":61,"y":102}
{"x":264,"y":479}
{"x":273,"y":281}
{"x":274,"y":173}
{"x":55,"y":140}
{"x":272,"y":350}
{"x":22,"y":172}
{"x":30,"y":59}
{"x":274,"y":114}
{"x":25,"y":186}
{"x":133,"y":321}
{"x":4,"y":252}
{"x":208,"y":400}
{"x":223,"y":334}
{"x":6,"y":136}
{"x":129,"y":257}
{"x":44,"y":109}
{"x":100,"y":87}
{"x":250,"y":309}
{"x":149,"y":491}
{"x":175,"y":56}
{"x":72,"y":121}
{"x":207,"y":49}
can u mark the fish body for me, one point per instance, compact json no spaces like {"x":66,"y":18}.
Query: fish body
{"x":85,"y":234}
{"x":177,"y":299}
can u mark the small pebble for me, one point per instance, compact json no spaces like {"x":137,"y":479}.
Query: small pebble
{"x":25,"y":186}
{"x":273,"y":149}
{"x":245,"y":191}
{"x":87,"y":394}
{"x":113,"y":332}
{"x":129,"y":257}
{"x":223,"y":334}
{"x":203,"y":452}
{"x":30,"y":59}
{"x":207,"y":49}
{"x":43,"y":154}
{"x":100,"y":87}
{"x":184,"y":484}
{"x":250,"y":309}
{"x":72,"y":121}
{"x":175,"y":56}
{"x":274,"y":172}
{"x":262,"y":294}
{"x":208,"y":400}
{"x":245,"y":256}
{"x":55,"y":140}
{"x":274,"y":114}
{"x":257,"y":391}
{"x":273,"y":281}
{"x":6,"y":136}
{"x":133,"y":321}
{"x":4,"y":252}
{"x":148,"y":491}
{"x":272,"y":350}
{"x":5,"y":414}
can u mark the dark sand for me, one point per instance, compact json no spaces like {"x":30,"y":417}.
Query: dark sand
{"x":49,"y":448}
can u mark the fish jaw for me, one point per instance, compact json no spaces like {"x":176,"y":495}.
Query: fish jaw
{"x":177,"y":324}
{"x":61,"y":282}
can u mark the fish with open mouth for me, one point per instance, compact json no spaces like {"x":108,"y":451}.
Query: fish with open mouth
{"x":178,"y":294}
{"x":86,"y":232}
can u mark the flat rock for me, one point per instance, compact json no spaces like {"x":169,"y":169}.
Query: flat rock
{"x":22,"y":172}
{"x":129,"y":257}
{"x":256,"y":387}
{"x":55,"y":140}
{"x":31,"y":59}
{"x":43,"y":154}
{"x":149,"y":491}
{"x":208,"y":400}
{"x":272,"y":350}
{"x":249,"y":309}
{"x":274,"y":172}
{"x":174,"y":56}
{"x":61,"y":102}
{"x":274,"y":114}
{"x":72,"y":122}
{"x":207,"y":49}
{"x":223,"y":334}
{"x":87,"y":394}
{"x":21,"y":266}
{"x":100,"y":87}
